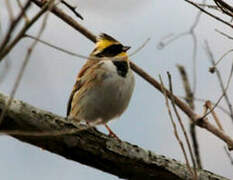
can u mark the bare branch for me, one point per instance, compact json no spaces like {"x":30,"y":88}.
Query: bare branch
{"x":72,"y":8}
{"x":13,"y":24}
{"x":220,"y":80}
{"x":218,"y":106}
{"x":190,"y":100}
{"x":213,"y":68}
{"x":229,"y":155}
{"x":223,"y":94}
{"x":69,"y":20}
{"x":224,"y":34}
{"x":208,"y":104}
{"x":183,"y":128}
{"x":211,"y":15}
{"x":226,"y":8}
{"x":22,"y":9}
{"x":9,"y":10}
{"x":208,"y":6}
{"x":175,"y":129}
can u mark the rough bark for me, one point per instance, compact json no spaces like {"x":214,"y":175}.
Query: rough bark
{"x":93,"y":148}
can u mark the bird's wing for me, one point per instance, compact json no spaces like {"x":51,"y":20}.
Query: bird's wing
{"x":76,"y":87}
{"x":79,"y":82}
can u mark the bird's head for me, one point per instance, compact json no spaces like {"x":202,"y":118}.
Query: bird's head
{"x":107,"y":46}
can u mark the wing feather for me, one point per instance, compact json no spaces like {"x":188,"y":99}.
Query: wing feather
{"x":76,"y":87}
{"x":78,"y":84}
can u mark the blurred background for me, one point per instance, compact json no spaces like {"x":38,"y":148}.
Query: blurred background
{"x":50,"y":75}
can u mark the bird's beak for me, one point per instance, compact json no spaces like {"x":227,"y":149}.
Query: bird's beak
{"x":126,"y":48}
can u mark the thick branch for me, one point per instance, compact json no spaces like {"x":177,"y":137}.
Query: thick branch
{"x":93,"y":148}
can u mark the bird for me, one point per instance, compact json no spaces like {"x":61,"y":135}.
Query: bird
{"x":104,"y":85}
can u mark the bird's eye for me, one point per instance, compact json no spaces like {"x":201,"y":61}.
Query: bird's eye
{"x":111,"y":51}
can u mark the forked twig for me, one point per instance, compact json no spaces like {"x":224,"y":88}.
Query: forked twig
{"x":190,"y":100}
{"x":220,"y":80}
{"x":208,"y":104}
{"x":204,"y":100}
{"x":183,"y":128}
{"x":22,"y":9}
{"x":174,"y":128}
{"x":223,"y":93}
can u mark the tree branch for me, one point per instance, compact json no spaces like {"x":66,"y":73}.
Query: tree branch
{"x":93,"y":148}
{"x":211,"y":15}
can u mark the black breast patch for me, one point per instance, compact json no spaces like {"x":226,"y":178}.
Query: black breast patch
{"x":122,"y":67}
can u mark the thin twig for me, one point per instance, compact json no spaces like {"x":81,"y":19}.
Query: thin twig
{"x":25,"y":62}
{"x":6,"y":67}
{"x":208,"y":6}
{"x":13,"y":24}
{"x":220,"y":80}
{"x":183,"y":128}
{"x":223,"y":93}
{"x":213,"y":68}
{"x":175,"y":129}
{"x":205,"y":110}
{"x":56,"y":47}
{"x":165,"y":41}
{"x":204,"y":100}
{"x":225,"y":5}
{"x":140,"y":48}
{"x":22,"y":9}
{"x":9,"y":10}
{"x":170,"y":38}
{"x":224,"y":34}
{"x":208,"y":104}
{"x":23,"y":31}
{"x":79,"y":55}
{"x":225,"y":8}
{"x":190,"y":100}
{"x":229,"y":155}
{"x":69,"y":20}
{"x":72,"y":8}
{"x":211,"y":15}
{"x":7,"y":63}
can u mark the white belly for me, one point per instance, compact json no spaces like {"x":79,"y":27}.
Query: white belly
{"x":109,"y":100}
